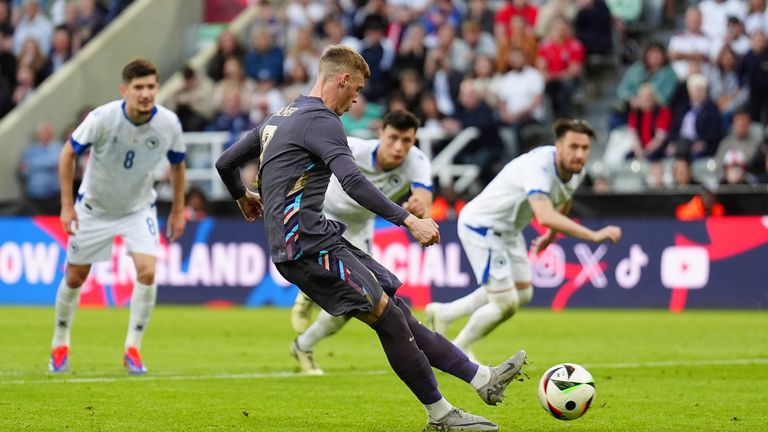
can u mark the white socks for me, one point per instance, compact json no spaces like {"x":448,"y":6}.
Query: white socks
{"x":480,"y":324}
{"x":67,"y":300}
{"x":481,"y":378}
{"x":142,"y":303}
{"x":324,"y":326}
{"x":456,"y":309}
{"x":439,"y":409}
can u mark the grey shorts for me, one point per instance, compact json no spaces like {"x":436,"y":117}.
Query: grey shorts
{"x":342,"y":279}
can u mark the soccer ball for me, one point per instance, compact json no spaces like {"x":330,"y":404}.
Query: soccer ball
{"x":566,"y":391}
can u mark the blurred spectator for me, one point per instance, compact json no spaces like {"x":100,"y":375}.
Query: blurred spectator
{"x":442,"y":81}
{"x":447,"y":205}
{"x":472,"y":111}
{"x":39,"y":170}
{"x":336,"y":34}
{"x":459,"y":53}
{"x":753,"y":72}
{"x":192,"y":102}
{"x":745,"y":138}
{"x":115,"y":7}
{"x":90,"y":20}
{"x":759,"y":166}
{"x":264,"y":59}
{"x":376,"y":9}
{"x":268,"y":19}
{"x":6,"y":28}
{"x":234,"y":77}
{"x":61,"y":50}
{"x":725,"y":88}
{"x":196,"y":202}
{"x":232,"y":118}
{"x":734,"y":168}
{"x":592,"y":27}
{"x":35,"y":60}
{"x":71,"y":22}
{"x":512,"y":8}
{"x":431,"y":120}
{"x":479,"y":12}
{"x":299,"y":82}
{"x":735,"y":38}
{"x":442,"y":12}
{"x":649,"y":125}
{"x":302,"y":13}
{"x":484,"y":79}
{"x":265,"y":100}
{"x":25,"y":84}
{"x":702,"y":205}
{"x":521,"y":96}
{"x":697,"y":127}
{"x":715,"y":13}
{"x":522,"y":38}
{"x":412,"y":53}
{"x":478,"y":41}
{"x":689,"y":45}
{"x":549,"y":11}
{"x":227,"y":46}
{"x":682,"y":176}
{"x":6,"y":95}
{"x":380,"y":56}
{"x":35,"y":25}
{"x":363,"y":118}
{"x":305,"y":52}
{"x":561,"y":60}
{"x":757,"y":17}
{"x":411,"y":89}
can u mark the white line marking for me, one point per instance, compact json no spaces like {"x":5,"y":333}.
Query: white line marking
{"x":51,"y":379}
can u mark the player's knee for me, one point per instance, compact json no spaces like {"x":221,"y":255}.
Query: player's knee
{"x":524,"y":292}
{"x":75,"y":276}
{"x":145,"y":275}
{"x":507,"y":302}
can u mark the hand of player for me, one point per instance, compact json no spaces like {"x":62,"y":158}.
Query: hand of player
{"x":250,"y":205}
{"x":176,"y":224}
{"x":69,"y":215}
{"x":424,"y":230}
{"x":541,"y":242}
{"x":416,"y":207}
{"x":610,"y":233}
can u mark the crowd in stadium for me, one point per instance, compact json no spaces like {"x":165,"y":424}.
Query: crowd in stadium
{"x":689,"y":81}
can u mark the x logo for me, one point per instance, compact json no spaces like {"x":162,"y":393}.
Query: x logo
{"x":590,"y":265}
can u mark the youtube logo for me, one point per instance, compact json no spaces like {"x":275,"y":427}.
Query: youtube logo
{"x":684,"y":267}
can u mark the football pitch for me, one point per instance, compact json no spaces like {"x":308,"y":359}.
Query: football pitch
{"x":229,"y":369}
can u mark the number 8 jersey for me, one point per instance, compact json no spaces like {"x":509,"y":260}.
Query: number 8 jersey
{"x":119,"y":176}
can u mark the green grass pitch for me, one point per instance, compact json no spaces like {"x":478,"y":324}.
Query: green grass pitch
{"x":229,"y":369}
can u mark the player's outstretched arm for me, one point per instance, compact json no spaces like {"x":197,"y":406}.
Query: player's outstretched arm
{"x":554,"y":220}
{"x":68,"y":215}
{"x":176,"y":220}
{"x":228,"y":165}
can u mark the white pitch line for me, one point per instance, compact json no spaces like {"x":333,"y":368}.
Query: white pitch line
{"x":271,"y":375}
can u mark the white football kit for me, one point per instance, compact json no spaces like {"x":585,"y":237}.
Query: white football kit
{"x":415,"y":171}
{"x":116,"y":196}
{"x":490,"y":226}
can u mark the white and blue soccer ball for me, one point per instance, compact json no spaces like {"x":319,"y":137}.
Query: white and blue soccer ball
{"x":566,"y":391}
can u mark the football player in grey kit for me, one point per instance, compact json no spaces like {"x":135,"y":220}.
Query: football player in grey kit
{"x":298,"y":148}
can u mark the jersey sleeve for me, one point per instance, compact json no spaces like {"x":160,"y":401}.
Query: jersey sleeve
{"x":536,"y":177}
{"x":178,"y":149}
{"x":419,"y":170}
{"x":88,"y":132}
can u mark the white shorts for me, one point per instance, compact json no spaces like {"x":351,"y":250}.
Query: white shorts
{"x":360,"y":235}
{"x":498,"y":261}
{"x":93,"y":241}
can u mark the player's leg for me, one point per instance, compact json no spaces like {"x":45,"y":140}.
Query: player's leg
{"x":441,"y":315}
{"x":140,"y":234}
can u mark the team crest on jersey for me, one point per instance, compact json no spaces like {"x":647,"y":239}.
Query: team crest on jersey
{"x":152,"y":142}
{"x":395,"y":180}
{"x":499,"y":262}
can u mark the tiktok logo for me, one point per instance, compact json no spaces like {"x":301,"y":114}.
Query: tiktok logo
{"x":629,"y":270}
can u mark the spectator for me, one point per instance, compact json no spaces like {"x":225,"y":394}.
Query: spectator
{"x":380,"y":55}
{"x":512,"y":8}
{"x":715,"y":13}
{"x":682,"y":176}
{"x":192,"y":102}
{"x":90,"y":20}
{"x":268,"y":19}
{"x":689,"y":45}
{"x":521,"y":97}
{"x":697,"y":127}
{"x":479,"y":12}
{"x":412,"y":53}
{"x":196,"y":209}
{"x":734,"y":168}
{"x":484,"y":79}
{"x":32,"y":58}
{"x":376,"y":9}
{"x":71,"y":22}
{"x":299,"y":82}
{"x":35,"y":25}
{"x":25,"y":84}
{"x":701,"y":206}
{"x":232,"y":118}
{"x":265,"y":58}
{"x":745,"y":138}
{"x":336,"y":34}
{"x":431,"y":120}
{"x":522,"y":38}
{"x":735,"y":38}
{"x":593,"y":25}
{"x":547,"y":14}
{"x":234,"y":77}
{"x":227,"y":46}
{"x":561,"y":60}
{"x":442,"y":81}
{"x":649,"y":125}
{"x":460,"y":55}
{"x":362,"y":120}
{"x":6,"y":28}
{"x":265,"y":100}
{"x":479,"y":42}
{"x":302,"y":13}
{"x":447,"y":205}
{"x":757,"y":17}
{"x":759,"y":166}
{"x":411,"y":89}
{"x":753,"y":74}
{"x":472,"y":111}
{"x":39,"y":171}
{"x":725,"y":88}
{"x":6,"y":94}
{"x":442,"y":12}
{"x":303,"y":51}
{"x":61,"y":50}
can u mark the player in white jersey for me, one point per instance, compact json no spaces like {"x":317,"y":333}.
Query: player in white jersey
{"x":128,"y":139}
{"x":539,"y":183}
{"x":397,"y":168}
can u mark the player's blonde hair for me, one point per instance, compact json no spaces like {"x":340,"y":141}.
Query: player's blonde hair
{"x":338,"y":59}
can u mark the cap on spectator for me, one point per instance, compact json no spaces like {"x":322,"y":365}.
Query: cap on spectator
{"x":734,"y":158}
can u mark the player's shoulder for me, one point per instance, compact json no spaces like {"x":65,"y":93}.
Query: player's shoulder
{"x":536,"y":162}
{"x":416,"y":157}
{"x":108,"y":110}
{"x":166,"y":116}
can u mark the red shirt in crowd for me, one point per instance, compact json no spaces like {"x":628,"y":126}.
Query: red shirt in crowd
{"x":559,"y":55}
{"x":646,"y":123}
{"x":505,"y":14}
